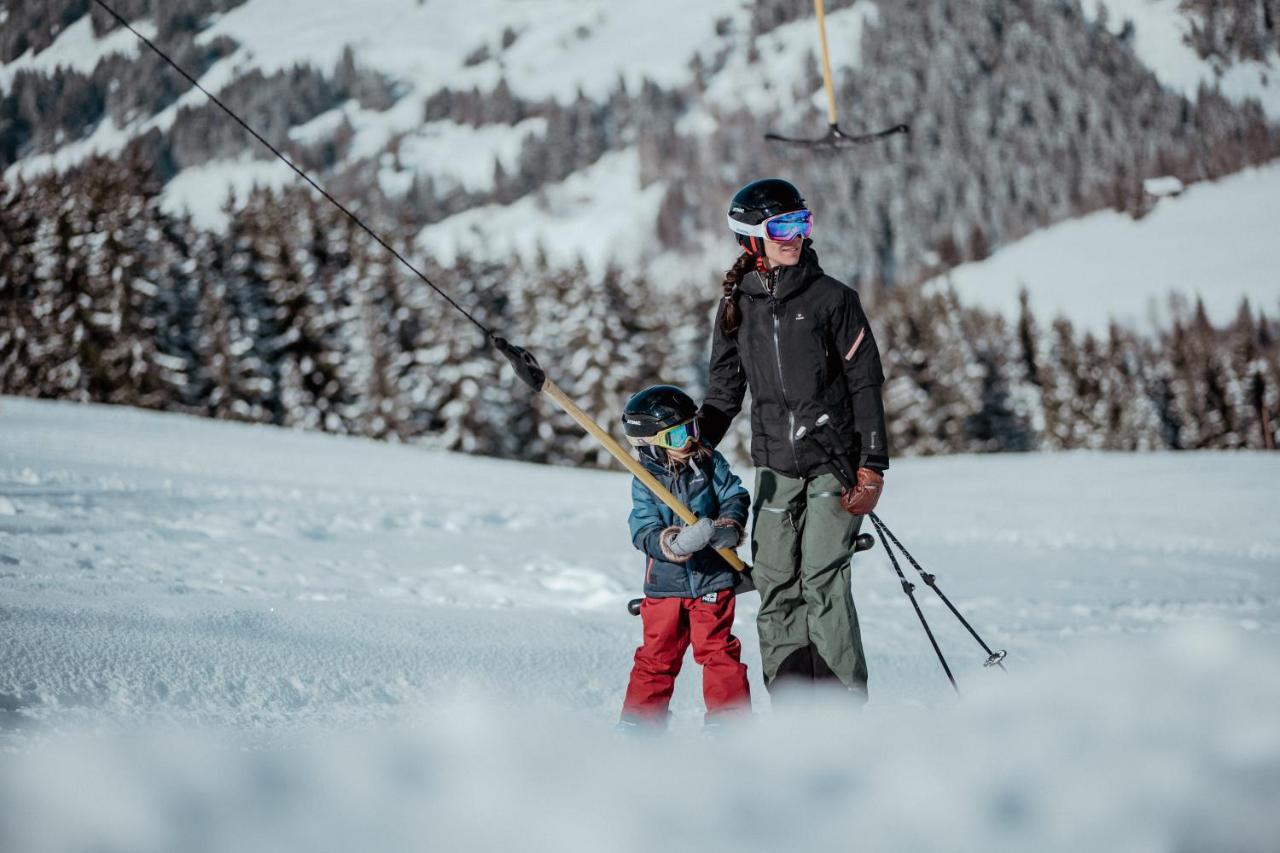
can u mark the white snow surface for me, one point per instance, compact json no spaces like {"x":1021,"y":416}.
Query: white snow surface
{"x":227,"y":637}
{"x":1216,"y":241}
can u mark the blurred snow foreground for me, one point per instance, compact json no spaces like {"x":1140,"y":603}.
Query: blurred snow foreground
{"x":1164,"y":747}
{"x":218,"y":637}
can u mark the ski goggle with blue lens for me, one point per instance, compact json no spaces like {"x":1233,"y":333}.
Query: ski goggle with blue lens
{"x":781,"y":228}
{"x":677,"y":437}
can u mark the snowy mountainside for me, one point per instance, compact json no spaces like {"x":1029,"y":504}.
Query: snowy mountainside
{"x":1162,"y":32}
{"x":1215,"y":242}
{"x":220,"y":636}
{"x":554,"y":49}
{"x":575,"y":218}
{"x":611,"y":69}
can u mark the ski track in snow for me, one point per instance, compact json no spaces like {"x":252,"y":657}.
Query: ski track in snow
{"x":217,"y":636}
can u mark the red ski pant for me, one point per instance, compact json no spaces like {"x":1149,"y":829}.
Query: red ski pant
{"x":670,"y":624}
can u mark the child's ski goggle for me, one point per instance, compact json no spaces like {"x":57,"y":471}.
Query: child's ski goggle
{"x":672,"y":438}
{"x":781,"y":228}
{"x":677,"y":437}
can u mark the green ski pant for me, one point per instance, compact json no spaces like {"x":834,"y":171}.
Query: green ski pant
{"x":801,"y":545}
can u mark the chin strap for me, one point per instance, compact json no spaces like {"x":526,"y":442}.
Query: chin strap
{"x":754,"y":247}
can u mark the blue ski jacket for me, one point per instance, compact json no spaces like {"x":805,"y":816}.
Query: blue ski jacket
{"x":707,"y":487}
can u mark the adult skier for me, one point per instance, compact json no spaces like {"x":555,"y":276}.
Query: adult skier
{"x":799,"y":340}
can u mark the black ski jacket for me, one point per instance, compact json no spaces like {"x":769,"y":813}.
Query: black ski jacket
{"x":804,"y":348}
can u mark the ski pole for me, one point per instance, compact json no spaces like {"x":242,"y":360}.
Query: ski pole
{"x":840,"y":467}
{"x":525,"y":365}
{"x":994,"y":658}
{"x":909,"y":588}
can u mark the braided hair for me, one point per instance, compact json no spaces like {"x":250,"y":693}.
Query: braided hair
{"x":746,"y":262}
{"x":729,"y":319}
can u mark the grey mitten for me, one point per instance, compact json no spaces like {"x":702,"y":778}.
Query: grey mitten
{"x":679,"y":543}
{"x":727,"y":534}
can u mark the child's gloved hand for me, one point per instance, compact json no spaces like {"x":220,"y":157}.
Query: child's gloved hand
{"x":679,"y":543}
{"x":693,"y":538}
{"x":728,"y":534}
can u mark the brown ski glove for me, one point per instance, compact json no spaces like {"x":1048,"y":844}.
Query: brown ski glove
{"x":862,"y":498}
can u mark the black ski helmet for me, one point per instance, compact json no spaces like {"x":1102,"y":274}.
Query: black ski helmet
{"x":654,"y":409}
{"x":756,"y":202}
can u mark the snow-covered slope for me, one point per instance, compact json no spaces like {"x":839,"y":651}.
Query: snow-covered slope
{"x":1217,"y":242}
{"x":552,"y":49}
{"x":1159,"y":32}
{"x":558,"y":46}
{"x":580,"y":217}
{"x":76,"y":48}
{"x":390,"y":648}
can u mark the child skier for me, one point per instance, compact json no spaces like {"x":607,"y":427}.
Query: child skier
{"x":688,"y":587}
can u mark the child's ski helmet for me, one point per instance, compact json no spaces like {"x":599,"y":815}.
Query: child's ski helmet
{"x":756,"y":202}
{"x":653,"y":410}
{"x":656,"y":408}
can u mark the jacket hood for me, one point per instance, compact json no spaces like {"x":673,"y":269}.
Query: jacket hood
{"x":787,"y":281}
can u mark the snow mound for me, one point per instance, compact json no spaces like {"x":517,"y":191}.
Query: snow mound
{"x":1162,"y":748}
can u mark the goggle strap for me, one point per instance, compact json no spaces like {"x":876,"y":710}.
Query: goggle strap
{"x":760,"y":229}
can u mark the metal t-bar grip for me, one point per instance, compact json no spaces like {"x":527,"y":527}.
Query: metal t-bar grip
{"x":631,"y":464}
{"x":532,"y":374}
{"x":522,"y":362}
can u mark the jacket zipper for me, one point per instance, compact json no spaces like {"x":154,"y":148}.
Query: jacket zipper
{"x":683,"y":495}
{"x":782,"y":383}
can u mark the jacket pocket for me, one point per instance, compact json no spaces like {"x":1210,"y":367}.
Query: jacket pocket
{"x":775,"y":515}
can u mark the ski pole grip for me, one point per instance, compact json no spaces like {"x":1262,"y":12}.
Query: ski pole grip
{"x":629,"y":462}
